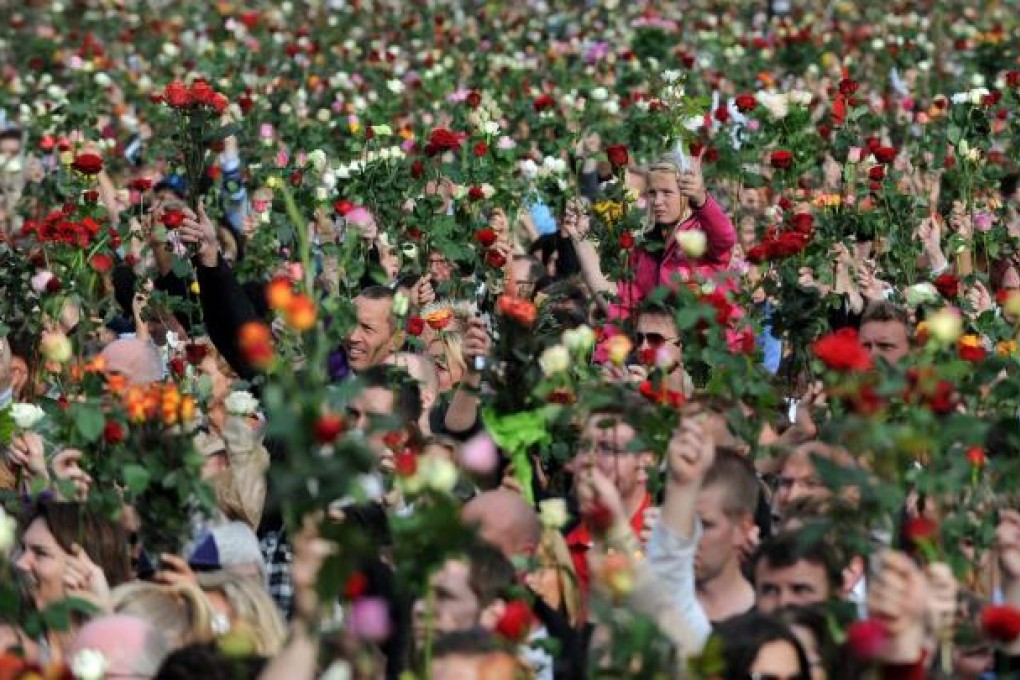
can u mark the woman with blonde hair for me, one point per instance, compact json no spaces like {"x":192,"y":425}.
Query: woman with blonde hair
{"x":694,"y":235}
{"x":242,"y":605}
{"x":181,"y":611}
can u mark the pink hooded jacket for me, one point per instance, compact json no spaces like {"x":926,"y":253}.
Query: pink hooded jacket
{"x":650,"y":272}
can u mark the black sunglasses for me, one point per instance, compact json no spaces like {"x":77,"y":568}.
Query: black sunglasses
{"x":653,"y":339}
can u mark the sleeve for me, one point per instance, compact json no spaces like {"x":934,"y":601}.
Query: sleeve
{"x":235,"y":195}
{"x":225,"y":308}
{"x":671,"y":560}
{"x":719,"y":230}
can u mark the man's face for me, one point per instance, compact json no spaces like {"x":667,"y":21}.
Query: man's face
{"x":440,"y":269}
{"x":721,"y":536}
{"x":371,"y":341}
{"x":657,"y":332}
{"x":798,"y":479}
{"x":524,"y":278}
{"x":608,"y":450}
{"x":752,"y":201}
{"x":371,"y":405}
{"x":799,"y":585}
{"x":886,"y":340}
{"x":454,"y":605}
{"x":10,"y":147}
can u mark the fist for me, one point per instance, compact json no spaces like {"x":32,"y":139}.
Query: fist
{"x":690,"y":452}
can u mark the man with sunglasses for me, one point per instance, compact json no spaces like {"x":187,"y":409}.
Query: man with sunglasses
{"x":657,"y":343}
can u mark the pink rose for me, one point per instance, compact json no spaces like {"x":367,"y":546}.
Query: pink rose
{"x":479,"y":455}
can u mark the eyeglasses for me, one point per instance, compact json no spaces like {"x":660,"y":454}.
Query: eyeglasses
{"x":654,"y":340}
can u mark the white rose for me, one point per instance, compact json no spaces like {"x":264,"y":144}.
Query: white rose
{"x":776,"y":104}
{"x":693,"y":241}
{"x":921,"y":294}
{"x":395,"y":86}
{"x":26,"y":415}
{"x":945,"y":325}
{"x":579,"y":340}
{"x":439,"y":474}
{"x":323,"y":115}
{"x":552,"y":512}
{"x":488,"y":191}
{"x":321,"y":194}
{"x":317,"y":158}
{"x":343,"y":172}
{"x":13,"y":166}
{"x":8,"y":529}
{"x":329,"y":180}
{"x":490,"y":127}
{"x":600,"y":94}
{"x":102,"y":79}
{"x":241,"y":403}
{"x":555,"y":359}
{"x":385,"y":154}
{"x":671,"y":76}
{"x":611,"y":107}
{"x":529,"y":168}
{"x":89,"y":664}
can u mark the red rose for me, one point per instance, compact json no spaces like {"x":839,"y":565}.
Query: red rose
{"x":441,"y":140}
{"x":88,"y":163}
{"x":786,"y":244}
{"x":485,"y":237}
{"x":474,"y":99}
{"x":405,"y":463}
{"x":90,"y":196}
{"x":757,"y":254}
{"x":885,"y":154}
{"x":867,"y":638}
{"x":847,"y":87}
{"x":355,"y":586}
{"x":919,"y":530}
{"x":872,"y":143}
{"x":195,"y":352}
{"x":618,"y":156}
{"x":842,"y":351}
{"x":219,"y":103}
{"x":947,"y":285}
{"x":201,"y":92}
{"x":495,"y":259}
{"x":599,"y":519}
{"x":543,"y":102}
{"x":101,"y":262}
{"x":626,"y":240}
{"x":172,"y":219}
{"x":417,"y":169}
{"x":722,"y":114}
{"x":969,"y":348}
{"x":515,"y":624}
{"x":176,"y":94}
{"x":415,"y":326}
{"x":781,"y":159}
{"x":1013,"y":78}
{"x":342,"y":207}
{"x":746,"y":103}
{"x":177,"y":367}
{"x":140,"y":184}
{"x":802,"y":222}
{"x":976,"y":456}
{"x":876,"y":173}
{"x":1001,"y":623}
{"x":476,"y":193}
{"x":328,"y":427}
{"x":113,"y":432}
{"x":481,"y":148}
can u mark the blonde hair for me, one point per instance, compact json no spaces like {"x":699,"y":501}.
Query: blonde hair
{"x":453,"y":342}
{"x":180,"y":611}
{"x":253,"y":610}
{"x":554,"y":553}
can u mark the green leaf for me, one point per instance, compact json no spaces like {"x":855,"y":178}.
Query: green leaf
{"x":222,"y":133}
{"x":136,"y":477}
{"x":89,"y":421}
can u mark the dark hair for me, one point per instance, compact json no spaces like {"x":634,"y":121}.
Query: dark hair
{"x":883,"y":310}
{"x":406,"y":393}
{"x":744,"y":636}
{"x":102,"y":540}
{"x":787,"y":548}
{"x":206,"y":660}
{"x":492,"y":574}
{"x":568,"y":303}
{"x":381,"y":293}
{"x":740,"y":483}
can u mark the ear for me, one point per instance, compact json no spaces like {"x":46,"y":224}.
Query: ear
{"x":490,"y":616}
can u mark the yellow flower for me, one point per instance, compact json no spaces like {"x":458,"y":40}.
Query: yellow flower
{"x":354,"y":126}
{"x":1006,"y":348}
{"x":194,"y":287}
{"x":609,"y":212}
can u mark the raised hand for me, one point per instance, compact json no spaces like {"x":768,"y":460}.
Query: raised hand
{"x":690,"y":453}
{"x":199,"y":229}
{"x":898,"y":596}
{"x":692,"y":185}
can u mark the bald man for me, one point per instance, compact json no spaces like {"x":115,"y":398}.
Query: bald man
{"x":137,"y":360}
{"x":131,"y":646}
{"x":505,"y":520}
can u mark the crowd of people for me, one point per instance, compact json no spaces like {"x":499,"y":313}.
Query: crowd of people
{"x":548,"y":340}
